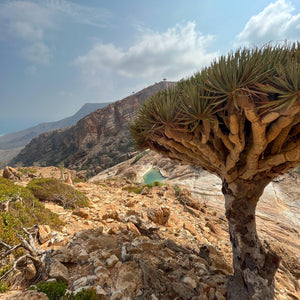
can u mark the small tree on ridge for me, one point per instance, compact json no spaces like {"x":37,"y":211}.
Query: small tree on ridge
{"x":239,"y":118}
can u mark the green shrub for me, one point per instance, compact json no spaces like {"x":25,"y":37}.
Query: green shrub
{"x":57,"y":290}
{"x":24,"y":210}
{"x":4,"y":287}
{"x":50,"y":189}
{"x":133,"y":189}
{"x":177,"y":189}
{"x":54,"y":290}
{"x":24,"y":171}
{"x":138,"y":189}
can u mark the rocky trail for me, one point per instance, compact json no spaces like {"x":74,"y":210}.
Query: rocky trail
{"x":159,"y":244}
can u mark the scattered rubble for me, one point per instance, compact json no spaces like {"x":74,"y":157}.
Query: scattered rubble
{"x":160,"y":244}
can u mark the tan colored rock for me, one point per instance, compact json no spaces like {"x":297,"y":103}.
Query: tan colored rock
{"x":30,"y":271}
{"x":111,"y":261}
{"x":189,"y":280}
{"x":68,"y":179}
{"x":27,"y":295}
{"x":185,"y":197}
{"x":191,"y":229}
{"x":81,"y":212}
{"x":44,"y":233}
{"x":132,"y":228}
{"x":159,"y":215}
{"x":212,"y":227}
{"x":11,"y":173}
{"x":59,"y":271}
{"x":130,"y":279}
{"x":111,"y":214}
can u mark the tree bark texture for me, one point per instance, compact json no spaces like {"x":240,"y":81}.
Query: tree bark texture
{"x":254,"y":266}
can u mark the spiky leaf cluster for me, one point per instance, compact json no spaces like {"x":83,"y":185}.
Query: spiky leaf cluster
{"x":230,"y":116}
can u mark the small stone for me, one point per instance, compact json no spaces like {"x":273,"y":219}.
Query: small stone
{"x":191,"y":281}
{"x":211,"y":294}
{"x":219,"y":296}
{"x":59,"y":271}
{"x":29,"y":295}
{"x":105,"y":254}
{"x":80,"y":212}
{"x":44,"y":233}
{"x":112,"y":214}
{"x":111,"y":261}
{"x":190,"y":228}
{"x":159,"y":215}
{"x":100,"y":291}
{"x":30,"y":271}
{"x":117,"y":295}
{"x":83,"y":257}
{"x":80,"y":283}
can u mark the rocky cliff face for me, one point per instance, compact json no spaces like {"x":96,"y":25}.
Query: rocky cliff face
{"x":21,"y":138}
{"x":98,"y":141}
{"x":11,"y":144}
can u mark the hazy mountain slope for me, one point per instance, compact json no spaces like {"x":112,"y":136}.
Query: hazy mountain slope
{"x":98,"y":141}
{"x":21,"y":138}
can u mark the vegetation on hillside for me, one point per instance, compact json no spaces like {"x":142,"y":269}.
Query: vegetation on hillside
{"x":50,"y":189}
{"x":20,"y":208}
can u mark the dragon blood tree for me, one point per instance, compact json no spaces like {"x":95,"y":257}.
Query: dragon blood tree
{"x":239,"y":118}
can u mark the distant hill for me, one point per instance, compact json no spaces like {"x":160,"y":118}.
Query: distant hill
{"x":21,"y":138}
{"x":98,"y":141}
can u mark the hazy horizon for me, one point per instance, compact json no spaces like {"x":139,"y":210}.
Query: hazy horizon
{"x":57,"y":55}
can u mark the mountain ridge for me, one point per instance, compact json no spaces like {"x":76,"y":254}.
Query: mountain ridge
{"x":21,"y":138}
{"x":97,"y":141}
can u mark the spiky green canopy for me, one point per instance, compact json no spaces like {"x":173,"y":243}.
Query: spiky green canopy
{"x":236,"y":118}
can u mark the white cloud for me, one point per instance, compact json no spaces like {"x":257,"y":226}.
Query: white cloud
{"x":176,"y":53}
{"x":275,"y":23}
{"x":98,"y":17}
{"x":30,"y":21}
{"x":27,"y":22}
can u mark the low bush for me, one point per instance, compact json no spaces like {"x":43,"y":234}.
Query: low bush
{"x":23,"y":210}
{"x":58,"y":290}
{"x":4,"y":287}
{"x":50,"y":189}
{"x":24,"y":171}
{"x":53,"y":290}
{"x":138,"y":189}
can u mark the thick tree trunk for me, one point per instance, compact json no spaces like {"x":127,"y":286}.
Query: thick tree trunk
{"x":254,"y":267}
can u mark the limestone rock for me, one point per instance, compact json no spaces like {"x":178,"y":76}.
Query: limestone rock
{"x":30,"y":271}
{"x":81,"y":212}
{"x":11,"y":173}
{"x":186,"y":198}
{"x":130,"y":279}
{"x":44,"y":233}
{"x":59,"y":271}
{"x":28,"y":295}
{"x":159,"y":215}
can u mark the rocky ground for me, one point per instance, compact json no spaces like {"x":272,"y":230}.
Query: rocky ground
{"x":160,"y":244}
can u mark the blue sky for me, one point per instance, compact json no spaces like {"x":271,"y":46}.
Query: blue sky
{"x":56,"y":55}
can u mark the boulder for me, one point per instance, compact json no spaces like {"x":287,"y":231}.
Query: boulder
{"x":44,"y":233}
{"x":81,"y":212}
{"x":11,"y":173}
{"x":159,"y":215}
{"x":185,"y":197}
{"x":59,"y":271}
